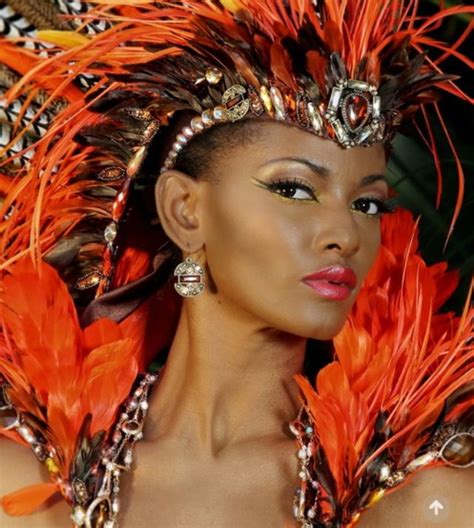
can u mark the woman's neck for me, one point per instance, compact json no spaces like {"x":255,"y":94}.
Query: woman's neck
{"x":227,"y":380}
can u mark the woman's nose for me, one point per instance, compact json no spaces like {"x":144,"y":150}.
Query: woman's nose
{"x":338,"y":232}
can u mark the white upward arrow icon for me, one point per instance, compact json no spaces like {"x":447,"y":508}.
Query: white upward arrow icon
{"x":436,"y":506}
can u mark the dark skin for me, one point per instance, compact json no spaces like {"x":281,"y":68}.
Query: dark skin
{"x":217,"y":450}
{"x":228,"y":390}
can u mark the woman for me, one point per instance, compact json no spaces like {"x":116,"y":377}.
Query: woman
{"x":271,"y":184}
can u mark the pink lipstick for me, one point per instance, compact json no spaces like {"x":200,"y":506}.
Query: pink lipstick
{"x":335,"y":282}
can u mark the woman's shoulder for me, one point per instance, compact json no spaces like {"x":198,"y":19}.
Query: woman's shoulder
{"x":20,"y":468}
{"x":439,"y":496}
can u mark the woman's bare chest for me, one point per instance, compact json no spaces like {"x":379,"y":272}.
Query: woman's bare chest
{"x":253,"y":489}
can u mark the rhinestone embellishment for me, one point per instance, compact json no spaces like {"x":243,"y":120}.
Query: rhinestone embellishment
{"x":103,"y":510}
{"x":190,"y":274}
{"x":213,"y":75}
{"x":110,"y":233}
{"x":110,"y":174}
{"x":354,"y":112}
{"x":236,"y":102}
{"x":90,"y":280}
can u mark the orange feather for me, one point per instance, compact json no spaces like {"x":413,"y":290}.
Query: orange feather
{"x":28,"y":499}
{"x":394,"y":354}
{"x":48,"y":359}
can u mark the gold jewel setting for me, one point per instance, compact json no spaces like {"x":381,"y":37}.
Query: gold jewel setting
{"x":353,"y":112}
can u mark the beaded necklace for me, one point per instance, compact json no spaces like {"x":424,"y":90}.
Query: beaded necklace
{"x":102,"y":510}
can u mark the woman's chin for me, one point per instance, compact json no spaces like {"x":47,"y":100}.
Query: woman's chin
{"x":326,"y":330}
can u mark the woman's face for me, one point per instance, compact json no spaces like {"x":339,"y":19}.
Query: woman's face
{"x":286,"y":206}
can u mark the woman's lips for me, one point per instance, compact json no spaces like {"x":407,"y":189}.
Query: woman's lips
{"x":335,"y":282}
{"x":330,"y":290}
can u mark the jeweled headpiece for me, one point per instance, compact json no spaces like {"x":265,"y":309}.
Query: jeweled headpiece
{"x":351,"y":116}
{"x":347,"y":71}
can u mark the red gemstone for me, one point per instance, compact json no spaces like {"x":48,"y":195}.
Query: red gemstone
{"x":356,"y":111}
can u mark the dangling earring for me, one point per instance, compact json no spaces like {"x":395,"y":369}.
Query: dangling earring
{"x":190,"y":274}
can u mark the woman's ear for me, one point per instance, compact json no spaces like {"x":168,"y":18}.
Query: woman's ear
{"x":177,"y":198}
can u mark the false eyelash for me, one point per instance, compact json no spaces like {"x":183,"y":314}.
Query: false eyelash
{"x":282,"y":183}
{"x":384,"y":206}
{"x":389,"y":206}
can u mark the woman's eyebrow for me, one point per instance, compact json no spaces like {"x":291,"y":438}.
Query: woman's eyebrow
{"x":324,"y":172}
{"x":372,"y":178}
{"x":319,"y":170}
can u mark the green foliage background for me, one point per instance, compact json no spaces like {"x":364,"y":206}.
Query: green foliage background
{"x":412,"y":172}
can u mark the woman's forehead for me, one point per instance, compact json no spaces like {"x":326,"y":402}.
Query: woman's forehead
{"x":286,"y":145}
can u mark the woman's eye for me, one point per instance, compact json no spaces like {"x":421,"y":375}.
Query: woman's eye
{"x":371,"y":206}
{"x":293,"y":189}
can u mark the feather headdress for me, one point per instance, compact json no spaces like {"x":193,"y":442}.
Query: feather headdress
{"x":120,"y":87}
